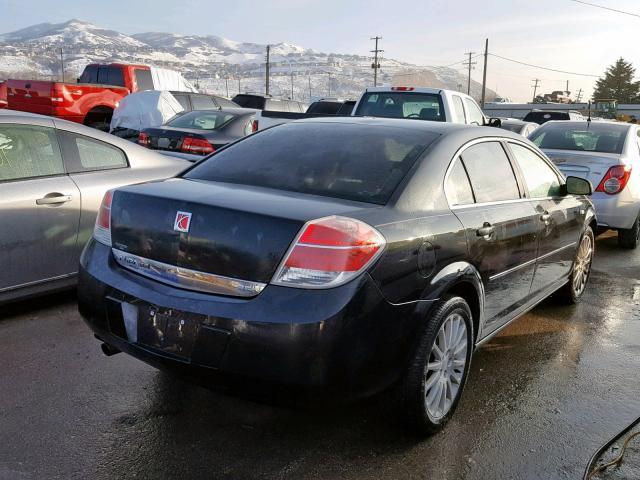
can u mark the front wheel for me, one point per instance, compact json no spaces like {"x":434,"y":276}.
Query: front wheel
{"x":436,"y":376}
{"x":575,"y":287}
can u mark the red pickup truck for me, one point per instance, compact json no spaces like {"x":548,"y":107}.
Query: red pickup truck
{"x":3,"y":95}
{"x":91,"y":101}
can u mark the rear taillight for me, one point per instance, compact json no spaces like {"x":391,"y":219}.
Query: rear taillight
{"x":615,"y":180}
{"x":198,"y":146}
{"x":254,"y":126}
{"x":102,"y":230}
{"x":143,"y":139}
{"x":329,"y":252}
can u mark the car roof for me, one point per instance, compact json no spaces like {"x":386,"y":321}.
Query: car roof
{"x":586,"y":123}
{"x":235,"y":110}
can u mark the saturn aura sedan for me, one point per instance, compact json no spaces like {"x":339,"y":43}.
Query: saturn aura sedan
{"x":339,"y":258}
{"x":53,"y":175}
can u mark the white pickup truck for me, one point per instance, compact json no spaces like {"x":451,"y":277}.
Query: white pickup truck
{"x":431,"y":104}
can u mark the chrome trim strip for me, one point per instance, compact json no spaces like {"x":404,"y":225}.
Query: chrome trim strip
{"x":186,"y":278}
{"x":526,"y":264}
{"x":38,"y":282}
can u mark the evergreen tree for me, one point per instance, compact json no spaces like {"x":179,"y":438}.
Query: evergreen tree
{"x":618,"y":84}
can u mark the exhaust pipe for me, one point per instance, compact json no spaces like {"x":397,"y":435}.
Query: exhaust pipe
{"x":108,"y":350}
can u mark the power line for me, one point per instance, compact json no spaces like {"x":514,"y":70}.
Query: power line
{"x":606,"y":8}
{"x":545,"y":68}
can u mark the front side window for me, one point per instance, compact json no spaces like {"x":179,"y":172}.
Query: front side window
{"x":475,"y":114}
{"x":458,"y":187}
{"x":310,"y":158}
{"x":490,"y":172}
{"x":28,"y":151}
{"x":541,"y":180}
{"x":421,"y":106}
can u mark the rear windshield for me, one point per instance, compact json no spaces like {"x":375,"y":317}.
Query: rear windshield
{"x":355,"y":162}
{"x":590,"y":137}
{"x":327,"y":108}
{"x":542,"y":117}
{"x":249,"y":101}
{"x":202,"y":120}
{"x":421,"y":106}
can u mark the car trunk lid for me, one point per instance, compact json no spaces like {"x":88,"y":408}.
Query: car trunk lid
{"x":235,"y":231}
{"x":591,"y":166}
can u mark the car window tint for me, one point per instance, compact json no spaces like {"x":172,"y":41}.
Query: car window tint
{"x":143,"y":79}
{"x":90,"y":75}
{"x":458,"y":187}
{"x":458,"y":109}
{"x":202,"y":102}
{"x":249,"y":101}
{"x":311,"y":158}
{"x":115,"y":76}
{"x":421,"y":106}
{"x":29,"y":151}
{"x":541,"y":180}
{"x":490,"y":172}
{"x":103,"y":75}
{"x":475,"y":114}
{"x":96,"y":155}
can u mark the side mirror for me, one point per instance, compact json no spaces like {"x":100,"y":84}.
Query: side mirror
{"x":578,"y":186}
{"x":494,"y":122}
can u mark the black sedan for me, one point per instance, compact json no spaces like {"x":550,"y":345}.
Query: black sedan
{"x":200,"y":132}
{"x":338,"y":258}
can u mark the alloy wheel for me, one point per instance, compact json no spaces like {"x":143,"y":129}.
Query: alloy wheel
{"x":444,"y":370}
{"x":582,"y":265}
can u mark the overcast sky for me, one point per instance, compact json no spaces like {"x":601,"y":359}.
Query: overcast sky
{"x":560,"y":34}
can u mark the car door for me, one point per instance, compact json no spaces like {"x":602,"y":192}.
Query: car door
{"x":39,"y":207}
{"x":500,"y":228}
{"x":560,"y":217}
{"x":95,"y":167}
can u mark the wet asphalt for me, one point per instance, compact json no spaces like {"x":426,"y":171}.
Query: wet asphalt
{"x":542,"y":397}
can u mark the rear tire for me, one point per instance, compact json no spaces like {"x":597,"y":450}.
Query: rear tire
{"x":572,"y":291}
{"x":629,"y":237}
{"x":436,"y":376}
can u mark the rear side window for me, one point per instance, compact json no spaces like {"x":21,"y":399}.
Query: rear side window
{"x":458,"y":187}
{"x":540,"y":178}
{"x":490,"y":172}
{"x":203,"y":102}
{"x":183,"y":100}
{"x":28,"y":151}
{"x":312,"y":158}
{"x":458,"y":109}
{"x":475,"y":114}
{"x":91,"y":154}
{"x":143,"y":79}
{"x":90,"y":75}
{"x":115,"y":76}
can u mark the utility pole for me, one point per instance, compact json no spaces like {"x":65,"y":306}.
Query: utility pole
{"x":62,"y":64}
{"x":226,"y":82}
{"x":291,"y":85}
{"x":535,"y":88}
{"x":329,"y":95}
{"x":567,"y":90}
{"x":470,"y":64}
{"x":376,"y":64}
{"x":484,"y":73}
{"x":309,"y":79}
{"x":579,"y":96}
{"x":266,"y":80}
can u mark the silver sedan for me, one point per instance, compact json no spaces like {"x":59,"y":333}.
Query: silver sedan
{"x":53,"y":175}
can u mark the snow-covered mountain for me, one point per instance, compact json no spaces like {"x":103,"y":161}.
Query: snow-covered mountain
{"x":216,"y":64}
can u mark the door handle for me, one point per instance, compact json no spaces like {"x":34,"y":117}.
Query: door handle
{"x":545,"y":217}
{"x":485,"y":231}
{"x":53,"y":200}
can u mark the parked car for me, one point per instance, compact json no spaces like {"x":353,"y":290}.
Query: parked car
{"x":432,"y":104}
{"x":200,"y":132}
{"x":3,"y":94}
{"x":607,"y":154}
{"x":518,"y":126}
{"x":153,"y":108}
{"x":266,"y":102}
{"x":93,"y":99}
{"x":543,"y":116}
{"x":53,"y":175}
{"x":338,"y":257}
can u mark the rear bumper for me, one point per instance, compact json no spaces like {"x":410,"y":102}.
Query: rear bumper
{"x":616,"y":211}
{"x":343,"y":343}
